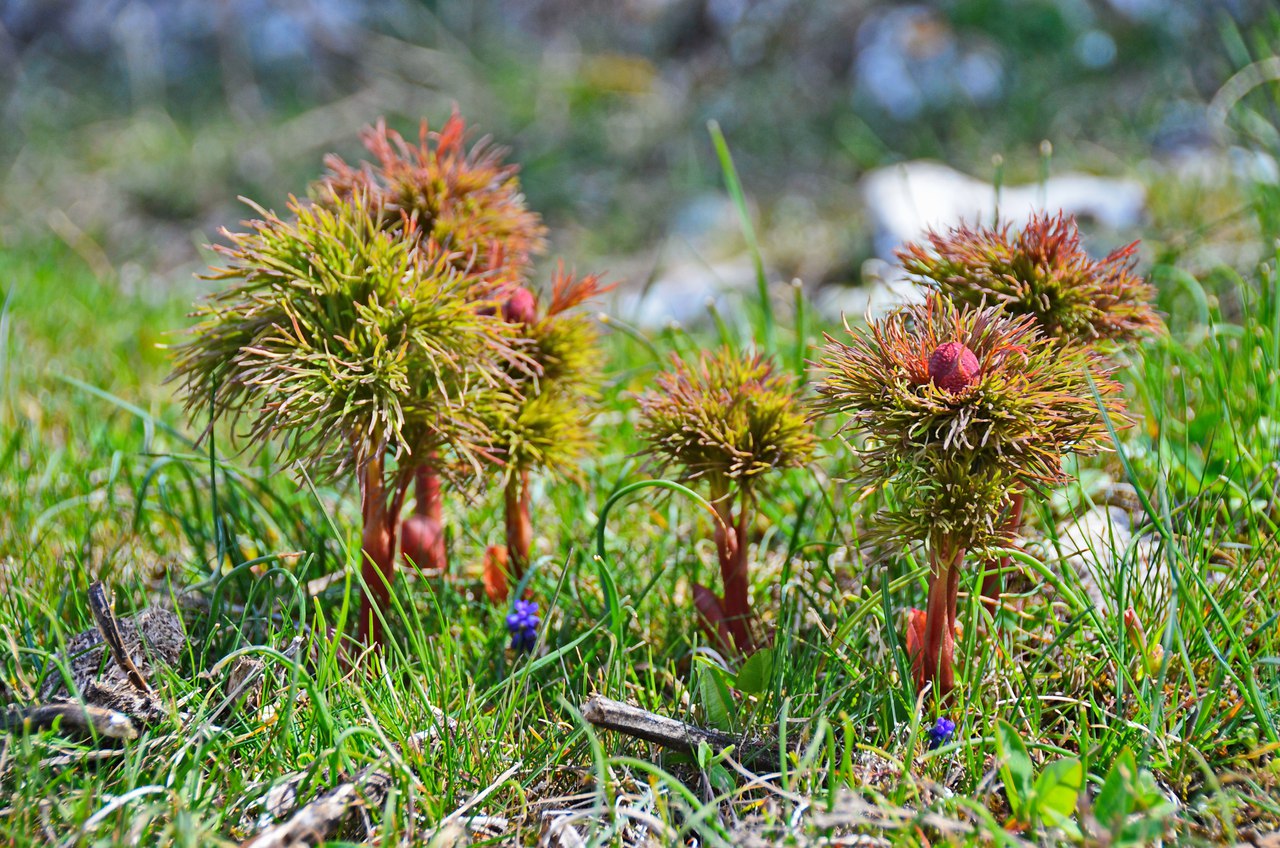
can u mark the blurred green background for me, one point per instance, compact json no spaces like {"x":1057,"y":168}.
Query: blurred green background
{"x":131,"y":126}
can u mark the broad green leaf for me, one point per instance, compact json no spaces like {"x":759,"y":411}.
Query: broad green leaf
{"x":1146,"y":794}
{"x":1145,"y":821}
{"x":721,"y":779}
{"x":704,"y":754}
{"x":717,"y":703}
{"x":1057,"y":789}
{"x":1115,"y":798}
{"x":1144,"y":829}
{"x":1015,"y":769}
{"x":756,"y":672}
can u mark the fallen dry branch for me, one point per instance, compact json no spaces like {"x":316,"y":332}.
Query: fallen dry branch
{"x":475,"y":799}
{"x":315,"y":822}
{"x":318,"y":820}
{"x":109,"y":627}
{"x":677,"y":735}
{"x":80,"y":719}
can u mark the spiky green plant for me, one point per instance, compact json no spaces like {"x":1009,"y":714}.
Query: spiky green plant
{"x":467,"y":201}
{"x":347,"y":345}
{"x":1043,"y":272}
{"x":542,"y":420}
{"x":728,"y":423}
{"x":959,"y":408}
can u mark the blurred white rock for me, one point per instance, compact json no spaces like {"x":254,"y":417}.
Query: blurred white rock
{"x":884,"y":287}
{"x":1100,"y":547}
{"x":704,"y":258}
{"x":702,"y":261}
{"x":1215,"y":167}
{"x":906,"y":200}
{"x":683,"y":292}
{"x":903,"y":202}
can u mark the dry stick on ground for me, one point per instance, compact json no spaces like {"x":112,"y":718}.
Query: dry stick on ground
{"x":475,"y":799}
{"x":670,"y":733}
{"x":88,"y":720}
{"x":82,"y":719}
{"x":105,"y":618}
{"x":314,"y":823}
{"x":318,"y":820}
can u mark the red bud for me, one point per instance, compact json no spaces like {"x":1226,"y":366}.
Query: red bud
{"x":915,"y":644}
{"x":520,"y":308}
{"x":953,"y":367}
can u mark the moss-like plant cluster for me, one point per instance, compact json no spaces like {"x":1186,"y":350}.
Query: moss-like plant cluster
{"x":962,"y":447}
{"x":466,"y":199}
{"x":388,"y":328}
{"x":1041,"y":271}
{"x":542,"y":420}
{"x":344,"y":342}
{"x":959,"y":410}
{"x":728,"y":422}
{"x":973,"y":399}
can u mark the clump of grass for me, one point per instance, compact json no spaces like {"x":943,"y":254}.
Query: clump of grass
{"x":728,"y":422}
{"x":960,"y":408}
{"x":349,"y":346}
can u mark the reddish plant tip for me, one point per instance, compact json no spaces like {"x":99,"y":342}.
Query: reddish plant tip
{"x":953,"y":367}
{"x":520,"y":308}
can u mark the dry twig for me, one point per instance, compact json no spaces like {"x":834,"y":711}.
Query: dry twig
{"x":81,"y":719}
{"x":315,"y":822}
{"x":109,"y":627}
{"x":670,"y":733}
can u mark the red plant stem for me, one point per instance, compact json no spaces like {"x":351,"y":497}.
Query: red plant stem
{"x":428,"y":502}
{"x":731,"y":546}
{"x":378,"y":545}
{"x":938,"y":654}
{"x":711,"y":617}
{"x":992,"y":583}
{"x":427,"y":540}
{"x":518,"y":524}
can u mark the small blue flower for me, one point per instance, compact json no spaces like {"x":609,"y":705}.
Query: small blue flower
{"x":941,"y":732}
{"x":523,"y":623}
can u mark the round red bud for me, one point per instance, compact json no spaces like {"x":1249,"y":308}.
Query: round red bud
{"x":953,"y":367}
{"x":520,"y":308}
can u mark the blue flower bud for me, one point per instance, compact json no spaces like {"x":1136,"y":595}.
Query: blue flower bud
{"x":941,"y":732}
